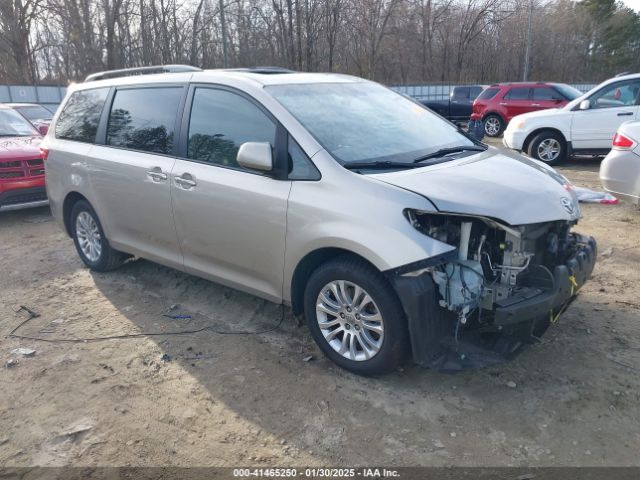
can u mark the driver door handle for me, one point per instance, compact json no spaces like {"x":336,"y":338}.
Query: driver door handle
{"x":156,"y":174}
{"x":625,"y":114}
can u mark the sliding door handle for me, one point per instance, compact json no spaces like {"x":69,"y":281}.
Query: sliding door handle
{"x":185,"y":181}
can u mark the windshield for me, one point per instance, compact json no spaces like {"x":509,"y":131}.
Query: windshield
{"x":569,"y":92}
{"x":35,"y":112}
{"x":12,"y":124}
{"x":365,"y":122}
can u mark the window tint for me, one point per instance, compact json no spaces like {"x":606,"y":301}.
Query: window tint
{"x":144,"y":119}
{"x":80,"y":116}
{"x":300,"y":167}
{"x":488,"y":93}
{"x":461,"y":93}
{"x":616,"y":95}
{"x":518,"y":93}
{"x":220,"y":122}
{"x":546,"y":93}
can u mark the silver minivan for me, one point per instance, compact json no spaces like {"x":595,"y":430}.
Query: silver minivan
{"x":395,"y":233}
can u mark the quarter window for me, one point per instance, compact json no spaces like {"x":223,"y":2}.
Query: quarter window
{"x":220,"y":122}
{"x":518,"y":94}
{"x":300,"y":167}
{"x":80,"y":116}
{"x":144,"y":119}
{"x":488,"y":93}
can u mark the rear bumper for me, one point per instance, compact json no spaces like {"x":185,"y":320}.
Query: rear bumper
{"x":620,"y":174}
{"x":20,"y":198}
{"x":516,"y":323}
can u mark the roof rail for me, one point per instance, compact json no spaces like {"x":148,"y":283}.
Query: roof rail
{"x":263,"y":70}
{"x":125,"y":72}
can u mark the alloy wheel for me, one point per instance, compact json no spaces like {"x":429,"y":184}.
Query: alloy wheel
{"x":492,"y":126}
{"x":548,"y":150}
{"x":350,"y":320}
{"x":88,"y":236}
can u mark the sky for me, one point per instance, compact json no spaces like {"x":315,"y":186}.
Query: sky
{"x":635,"y":4}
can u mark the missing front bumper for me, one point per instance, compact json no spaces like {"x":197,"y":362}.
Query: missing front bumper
{"x":518,"y":321}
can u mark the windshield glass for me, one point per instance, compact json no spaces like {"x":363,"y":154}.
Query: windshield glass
{"x":12,"y":124}
{"x":35,"y":113}
{"x":568,"y":91}
{"x":358,"y":122}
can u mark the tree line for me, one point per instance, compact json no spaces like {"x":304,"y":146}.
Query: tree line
{"x":391,"y":41}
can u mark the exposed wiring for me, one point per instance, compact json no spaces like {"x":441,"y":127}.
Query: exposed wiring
{"x":33,"y":315}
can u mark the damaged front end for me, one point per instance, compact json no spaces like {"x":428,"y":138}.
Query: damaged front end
{"x":495,"y":293}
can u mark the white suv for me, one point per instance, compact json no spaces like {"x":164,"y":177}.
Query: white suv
{"x":584,"y":126}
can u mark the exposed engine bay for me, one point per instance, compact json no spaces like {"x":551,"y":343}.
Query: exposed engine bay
{"x":508,"y":280}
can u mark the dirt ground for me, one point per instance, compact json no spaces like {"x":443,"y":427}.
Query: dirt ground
{"x":229,"y":400}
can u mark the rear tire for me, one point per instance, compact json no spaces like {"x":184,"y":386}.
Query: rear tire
{"x":90,"y":241}
{"x":548,"y":147}
{"x":493,"y":125}
{"x":355,"y":317}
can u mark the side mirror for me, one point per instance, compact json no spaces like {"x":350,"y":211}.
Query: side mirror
{"x":255,"y":156}
{"x":584,"y":105}
{"x":43,"y":129}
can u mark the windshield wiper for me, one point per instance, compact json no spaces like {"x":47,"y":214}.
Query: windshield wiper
{"x":448,"y":151}
{"x":379,"y":164}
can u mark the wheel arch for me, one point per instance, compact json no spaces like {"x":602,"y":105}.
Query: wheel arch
{"x":308,"y":264}
{"x":496,"y":114}
{"x":538,"y":131}
{"x":69,"y":201}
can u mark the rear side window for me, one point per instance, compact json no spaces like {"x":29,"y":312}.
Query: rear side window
{"x":546,"y":93}
{"x":518,"y":93}
{"x":144,"y":119}
{"x":220,"y":122}
{"x":80,"y":116}
{"x":461,"y":93}
{"x":488,"y":93}
{"x":474,"y":92}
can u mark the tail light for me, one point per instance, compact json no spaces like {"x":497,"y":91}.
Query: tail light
{"x":621,"y":142}
{"x":44,"y":152}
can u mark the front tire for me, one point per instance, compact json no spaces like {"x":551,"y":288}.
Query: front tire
{"x":548,"y":147}
{"x":355,"y":317}
{"x":493,"y":125}
{"x":90,"y":241}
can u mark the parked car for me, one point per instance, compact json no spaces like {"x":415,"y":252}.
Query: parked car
{"x":585,"y":126}
{"x":620,"y":169}
{"x":21,"y":164}
{"x":39,"y":116}
{"x":381,"y":222}
{"x":457,"y":107}
{"x":499,"y":103}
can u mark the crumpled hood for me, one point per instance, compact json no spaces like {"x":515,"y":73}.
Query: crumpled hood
{"x":20,"y":148}
{"x":495,"y":184}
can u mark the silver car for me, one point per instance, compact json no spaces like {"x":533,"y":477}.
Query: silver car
{"x":394,"y":233}
{"x":620,"y":169}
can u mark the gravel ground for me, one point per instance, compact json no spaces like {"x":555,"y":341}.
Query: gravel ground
{"x":210,"y":399}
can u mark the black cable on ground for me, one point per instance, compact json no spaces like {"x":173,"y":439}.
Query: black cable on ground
{"x":33,"y":315}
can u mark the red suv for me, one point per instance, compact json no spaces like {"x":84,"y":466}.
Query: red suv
{"x":499,"y":103}
{"x":21,"y":163}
